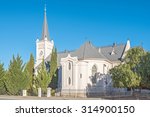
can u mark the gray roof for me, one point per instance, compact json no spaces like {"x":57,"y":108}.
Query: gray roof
{"x":88,"y":51}
{"x":118,"y":51}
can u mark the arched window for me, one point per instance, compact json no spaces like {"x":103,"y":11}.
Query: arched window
{"x":94,"y":71}
{"x":69,"y":66}
{"x":69,"y":81}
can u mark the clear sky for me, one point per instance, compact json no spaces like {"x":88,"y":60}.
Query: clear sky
{"x":71,"y":23}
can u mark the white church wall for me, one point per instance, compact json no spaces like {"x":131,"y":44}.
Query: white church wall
{"x":39,"y":48}
{"x":69,"y":73}
{"x":48,"y":46}
{"x":100,"y":67}
{"x":81,"y":75}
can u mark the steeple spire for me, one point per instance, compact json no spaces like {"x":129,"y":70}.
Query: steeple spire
{"x":45,"y":33}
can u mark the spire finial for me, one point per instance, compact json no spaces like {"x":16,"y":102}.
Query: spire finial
{"x":45,"y":8}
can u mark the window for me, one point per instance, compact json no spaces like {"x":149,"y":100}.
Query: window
{"x":94,"y":71}
{"x":104,"y":69}
{"x":69,"y":66}
{"x":80,"y":75}
{"x":69,"y":81}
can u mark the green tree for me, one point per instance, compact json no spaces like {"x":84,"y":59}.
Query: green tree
{"x":2,"y":80}
{"x":134,"y":56}
{"x":124,"y":77}
{"x":29,"y":73}
{"x":53,"y":69}
{"x":127,"y":74}
{"x":42,"y":78}
{"x":144,"y":70}
{"x":15,"y":77}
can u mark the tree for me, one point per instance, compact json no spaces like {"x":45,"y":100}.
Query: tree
{"x":2,"y":80}
{"x":53,"y":69}
{"x":134,"y":56}
{"x":15,"y":77}
{"x":29,"y":73}
{"x":144,"y":70}
{"x":42,"y":78}
{"x":126,"y":75}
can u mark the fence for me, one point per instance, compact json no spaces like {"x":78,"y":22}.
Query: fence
{"x":94,"y":91}
{"x":97,"y":91}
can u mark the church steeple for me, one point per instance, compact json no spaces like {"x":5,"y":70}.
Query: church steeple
{"x":45,"y":33}
{"x":44,"y":46}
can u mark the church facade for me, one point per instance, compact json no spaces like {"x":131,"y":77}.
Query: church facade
{"x":85,"y":70}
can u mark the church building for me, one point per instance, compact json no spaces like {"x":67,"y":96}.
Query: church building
{"x":84,"y":71}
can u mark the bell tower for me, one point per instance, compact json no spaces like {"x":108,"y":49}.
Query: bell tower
{"x":44,"y":46}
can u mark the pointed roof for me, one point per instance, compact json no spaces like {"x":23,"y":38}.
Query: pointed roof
{"x":117,"y":49}
{"x":45,"y":32}
{"x":86,"y":51}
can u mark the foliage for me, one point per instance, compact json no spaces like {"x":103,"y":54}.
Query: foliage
{"x":29,"y":73}
{"x":124,"y":77}
{"x":53,"y":69}
{"x":134,"y":56}
{"x":144,"y":70}
{"x":127,"y":74}
{"x":42,"y":78}
{"x":53,"y":92}
{"x":15,"y":77}
{"x":2,"y":80}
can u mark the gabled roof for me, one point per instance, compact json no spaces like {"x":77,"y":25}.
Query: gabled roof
{"x":88,"y":51}
{"x":118,"y":51}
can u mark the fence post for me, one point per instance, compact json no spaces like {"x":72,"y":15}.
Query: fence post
{"x":48,"y":92}
{"x":39,"y":92}
{"x":24,"y":92}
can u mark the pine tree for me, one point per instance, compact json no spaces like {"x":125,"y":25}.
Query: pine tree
{"x":42,"y":78}
{"x":29,"y":73}
{"x":2,"y":80}
{"x":15,"y":77}
{"x":53,"y":69}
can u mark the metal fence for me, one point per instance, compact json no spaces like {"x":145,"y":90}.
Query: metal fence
{"x":96,"y":91}
{"x":108,"y":92}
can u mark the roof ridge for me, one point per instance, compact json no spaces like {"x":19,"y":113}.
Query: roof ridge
{"x":110,"y":45}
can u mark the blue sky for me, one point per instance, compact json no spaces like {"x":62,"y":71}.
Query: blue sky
{"x":71,"y":23}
